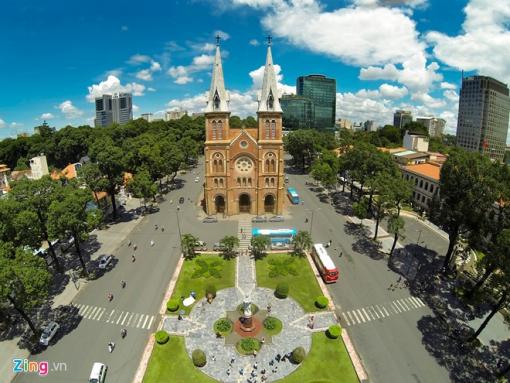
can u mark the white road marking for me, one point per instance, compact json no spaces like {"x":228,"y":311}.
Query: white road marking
{"x":120,"y":316}
{"x":91,"y":314}
{"x":150,"y":323}
{"x":386,"y":311}
{"x":402,"y":303}
{"x":87,"y":309}
{"x":123,"y":320}
{"x":129,"y":321}
{"x":412,"y":302}
{"x":364,"y":312}
{"x":350,"y":317}
{"x":374,"y":311}
{"x":346,"y":319}
{"x":101,"y":314}
{"x":357,"y":319}
{"x":380,"y":312}
{"x":418,"y":301}
{"x":361,"y":315}
{"x":396,"y":308}
{"x":134,"y":321}
{"x":145,"y":321}
{"x":110,"y":316}
{"x":82,"y":309}
{"x":139,"y":320}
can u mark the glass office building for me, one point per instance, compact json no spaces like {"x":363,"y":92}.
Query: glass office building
{"x":297,"y":112}
{"x":321,"y":91}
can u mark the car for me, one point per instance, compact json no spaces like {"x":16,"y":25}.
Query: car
{"x":98,"y":373}
{"x":104,"y":261}
{"x":210,"y":219}
{"x":276,"y":218}
{"x":197,"y":179}
{"x":181,"y":200}
{"x":259,"y":219}
{"x":48,"y":333}
{"x":218,"y":247}
{"x":201,"y":246}
{"x":286,"y":179}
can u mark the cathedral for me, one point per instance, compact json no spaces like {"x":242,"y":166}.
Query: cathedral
{"x":243,"y":167}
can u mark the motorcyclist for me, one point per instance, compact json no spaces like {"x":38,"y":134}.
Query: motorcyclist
{"x":123,"y":333}
{"x":123,"y":283}
{"x":110,"y":296}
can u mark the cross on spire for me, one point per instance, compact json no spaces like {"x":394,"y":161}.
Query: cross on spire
{"x":269,"y":40}
{"x":218,"y":38}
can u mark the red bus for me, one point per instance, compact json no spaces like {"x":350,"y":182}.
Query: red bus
{"x":325,"y":265}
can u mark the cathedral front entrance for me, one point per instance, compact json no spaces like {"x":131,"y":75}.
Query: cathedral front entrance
{"x":219,"y":203}
{"x":269,"y":204}
{"x":244,"y":203}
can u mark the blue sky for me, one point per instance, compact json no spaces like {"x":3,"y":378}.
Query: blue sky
{"x":385,"y":54}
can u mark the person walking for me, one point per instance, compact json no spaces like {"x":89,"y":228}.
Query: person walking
{"x":133,"y":258}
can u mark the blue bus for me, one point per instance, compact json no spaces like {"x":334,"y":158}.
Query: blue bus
{"x":293,"y":195}
{"x":277,"y":236}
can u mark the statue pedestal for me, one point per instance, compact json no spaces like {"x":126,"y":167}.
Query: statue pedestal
{"x":247,"y":323}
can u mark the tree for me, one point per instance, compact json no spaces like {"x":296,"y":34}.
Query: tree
{"x":250,"y":122}
{"x":172,"y":156}
{"x":71,"y":216}
{"x":259,"y":244}
{"x":189,"y":148}
{"x":24,"y":283}
{"x":142,"y":186}
{"x":467,"y":193}
{"x":414,"y":128}
{"x":94,"y":179}
{"x":36,"y":196}
{"x":302,"y":241}
{"x":401,"y":191}
{"x":396,"y":227}
{"x":304,"y":145}
{"x":229,"y":243}
{"x":188,"y":243}
{"x":360,"y":210}
{"x":22,"y":164}
{"x":110,"y":161}
{"x":391,"y":133}
{"x":235,"y":122}
{"x":383,"y":202}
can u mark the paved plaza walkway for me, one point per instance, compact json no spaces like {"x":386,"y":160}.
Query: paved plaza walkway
{"x":224,"y":363}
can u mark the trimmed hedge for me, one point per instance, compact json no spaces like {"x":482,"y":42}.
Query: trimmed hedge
{"x":198,"y":357}
{"x":334,"y":331}
{"x":210,"y":289}
{"x":272,"y":325}
{"x":298,"y":355}
{"x":282,"y":290}
{"x":223,"y":326}
{"x":246,"y":346}
{"x":161,"y":337}
{"x":172,"y":305}
{"x":321,"y":302}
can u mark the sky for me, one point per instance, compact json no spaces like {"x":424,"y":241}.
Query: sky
{"x":384,"y":54}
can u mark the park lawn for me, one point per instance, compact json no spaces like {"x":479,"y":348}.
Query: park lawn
{"x":327,"y":362}
{"x":169,"y":362}
{"x":303,"y":287}
{"x":201,"y":271}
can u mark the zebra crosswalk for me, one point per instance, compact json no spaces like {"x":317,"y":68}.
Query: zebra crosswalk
{"x":380,"y":311}
{"x":116,"y":317}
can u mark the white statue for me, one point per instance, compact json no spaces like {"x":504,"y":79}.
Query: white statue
{"x":247,"y":309}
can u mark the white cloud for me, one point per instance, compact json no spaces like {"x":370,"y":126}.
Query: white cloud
{"x":393,"y":92}
{"x":254,"y":42}
{"x":483,"y":43}
{"x":144,"y":74}
{"x":46,"y":116}
{"x":192,"y":104}
{"x":428,"y":100}
{"x":112,"y":85}
{"x":448,"y":85}
{"x":451,"y":95}
{"x":182,"y":74}
{"x":181,"y":80}
{"x":258,"y":74}
{"x":223,"y":35}
{"x":2,"y":123}
{"x":155,"y":66}
{"x":207,"y":47}
{"x":202,"y":62}
{"x":356,"y":107}
{"x":136,"y":108}
{"x":451,"y":121}
{"x":15,"y":124}
{"x":388,"y":72}
{"x":150,"y":89}
{"x":408,"y":3}
{"x":69,"y":110}
{"x":139,"y":59}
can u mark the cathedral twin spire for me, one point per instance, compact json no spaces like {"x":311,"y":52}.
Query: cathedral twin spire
{"x":268,"y":98}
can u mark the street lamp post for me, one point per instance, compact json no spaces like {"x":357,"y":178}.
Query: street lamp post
{"x":311,"y":221}
{"x":419,"y":236}
{"x":179,"y":227}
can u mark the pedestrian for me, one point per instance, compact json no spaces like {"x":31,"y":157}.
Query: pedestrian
{"x":254,"y":353}
{"x":341,"y":253}
{"x":255,"y":366}
{"x":152,"y":243}
{"x":330,"y":242}
{"x":135,"y":247}
{"x":306,"y":220}
{"x":155,"y":227}
{"x":263,"y":340}
{"x":133,"y":258}
{"x":278,"y":357}
{"x":162,"y":228}
{"x":269,"y":308}
{"x":241,"y":230}
{"x":213,"y":358}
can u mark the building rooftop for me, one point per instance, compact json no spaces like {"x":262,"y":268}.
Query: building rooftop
{"x":429,"y":170}
{"x":404,"y":153}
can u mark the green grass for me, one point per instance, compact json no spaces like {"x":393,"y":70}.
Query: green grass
{"x":296,"y":271}
{"x":170,"y":363}
{"x":201,"y":271}
{"x":328,"y":362}
{"x":277,"y":326}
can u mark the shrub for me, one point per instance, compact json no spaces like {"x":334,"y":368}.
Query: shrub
{"x":248,"y":345}
{"x":298,"y":355}
{"x":161,"y":337}
{"x":334,"y":331}
{"x":172,"y":305}
{"x":282,"y":290}
{"x":223,"y":326}
{"x":210,"y":289}
{"x":198,"y":357}
{"x":272,"y":325}
{"x":321,"y":302}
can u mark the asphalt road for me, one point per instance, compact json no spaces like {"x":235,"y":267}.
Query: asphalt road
{"x":390,"y":346}
{"x":136,"y":307}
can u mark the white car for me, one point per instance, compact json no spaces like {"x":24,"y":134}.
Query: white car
{"x":98,"y":373}
{"x":48,"y":333}
{"x":197,"y":179}
{"x":104,"y":261}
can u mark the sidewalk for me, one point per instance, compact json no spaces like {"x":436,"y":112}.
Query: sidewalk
{"x":109,"y":240}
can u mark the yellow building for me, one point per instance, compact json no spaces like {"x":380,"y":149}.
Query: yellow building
{"x":244,"y":168}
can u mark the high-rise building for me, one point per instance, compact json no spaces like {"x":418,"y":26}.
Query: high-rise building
{"x":435,"y":126}
{"x":401,"y":118}
{"x":321,"y":91}
{"x":297,"y":112}
{"x":113,"y":109}
{"x":369,"y":126}
{"x":147,"y":117}
{"x":343,"y":123}
{"x":243,"y":166}
{"x":484,"y":108}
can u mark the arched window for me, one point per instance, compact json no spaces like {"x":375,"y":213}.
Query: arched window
{"x":215,"y":182}
{"x":267,"y":182}
{"x":249,"y":181}
{"x":216,"y":101}
{"x":421,"y":183}
{"x":267,"y":166}
{"x":221,"y":182}
{"x":215,"y":165}
{"x":220,"y":166}
{"x":273,"y":129}
{"x":238,"y":181}
{"x":244,"y":181}
{"x":220,"y":130}
{"x":214,"y":127}
{"x":267,"y":127}
{"x":273,"y":166}
{"x":270,"y":100}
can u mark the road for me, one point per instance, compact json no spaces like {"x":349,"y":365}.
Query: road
{"x":136,"y":307}
{"x":382,"y":322}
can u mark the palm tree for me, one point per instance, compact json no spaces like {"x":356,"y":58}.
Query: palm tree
{"x":259,"y":244}
{"x":302,"y":241}
{"x":396,"y":227}
{"x":229,"y":243}
{"x":188,"y":243}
